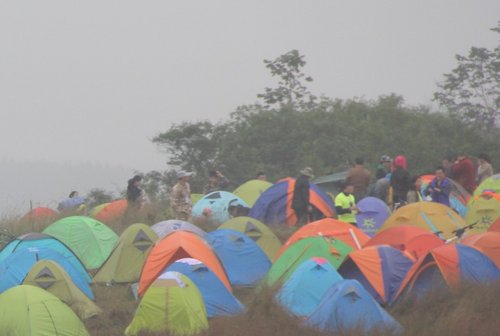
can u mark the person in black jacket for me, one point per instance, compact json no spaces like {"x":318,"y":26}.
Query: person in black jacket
{"x":135,"y":194}
{"x":400,"y":181}
{"x":300,"y":200}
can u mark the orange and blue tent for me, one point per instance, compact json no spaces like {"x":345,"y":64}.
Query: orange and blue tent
{"x":274,"y":206}
{"x":176,"y":246}
{"x":488,"y":243}
{"x":411,"y":239}
{"x":380,"y":269}
{"x":329,"y":228}
{"x":447,"y":267}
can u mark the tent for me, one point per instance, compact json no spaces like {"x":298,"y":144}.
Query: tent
{"x":483,"y":212}
{"x":333,"y":250}
{"x":274,"y":206}
{"x":495,"y":227}
{"x":492,"y":183}
{"x":165,"y":228}
{"x":110,"y":212}
{"x":256,"y":230}
{"x":176,"y":246}
{"x":434,"y":217}
{"x":250,"y":191}
{"x":447,"y":267}
{"x":372,"y":214}
{"x":91,"y":240}
{"x":303,"y":291}
{"x":411,"y":239}
{"x":171,"y":304}
{"x":213,"y":208}
{"x":244,"y":261}
{"x":29,"y":310}
{"x":347,"y":305}
{"x":332,"y":183}
{"x":488,"y":243}
{"x":39,"y":215}
{"x":459,"y":197}
{"x":218,"y":300}
{"x":15,"y":267}
{"x":331,"y":228}
{"x":380,"y":269}
{"x":48,"y":275}
{"x":125,"y":263}
{"x":196,"y":197}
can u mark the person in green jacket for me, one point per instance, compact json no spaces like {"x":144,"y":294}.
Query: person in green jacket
{"x":345,"y":204}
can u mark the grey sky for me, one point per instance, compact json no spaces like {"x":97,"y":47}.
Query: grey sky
{"x":94,"y":81}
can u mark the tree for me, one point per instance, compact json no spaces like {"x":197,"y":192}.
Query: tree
{"x":471,"y":91}
{"x":98,"y":196}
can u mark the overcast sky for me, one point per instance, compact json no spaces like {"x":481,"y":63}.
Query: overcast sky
{"x":94,"y":81}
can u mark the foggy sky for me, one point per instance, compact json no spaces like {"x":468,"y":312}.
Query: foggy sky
{"x":94,"y":81}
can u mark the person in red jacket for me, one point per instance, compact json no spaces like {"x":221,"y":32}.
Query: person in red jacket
{"x":464,"y":172}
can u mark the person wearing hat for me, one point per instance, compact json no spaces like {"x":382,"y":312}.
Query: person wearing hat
{"x":384,"y":167}
{"x":216,"y":182}
{"x":300,"y":200}
{"x":180,"y":196}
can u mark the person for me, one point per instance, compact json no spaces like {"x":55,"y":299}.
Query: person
{"x":261,"y":176}
{"x":384,"y":167}
{"x":74,"y":204}
{"x":446,"y":164}
{"x":180,"y":196}
{"x":484,"y":167}
{"x":345,"y":204}
{"x":136,"y":196}
{"x":440,"y":188}
{"x":415,"y":195}
{"x":400,"y":180}
{"x":300,"y":199}
{"x":216,"y":182}
{"x":359,"y":177}
{"x":464,"y":173}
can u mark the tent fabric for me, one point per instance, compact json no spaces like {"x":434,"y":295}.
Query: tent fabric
{"x":91,"y":240}
{"x":332,"y":228}
{"x":29,"y":310}
{"x":124,"y":264}
{"x":213,"y":208}
{"x":39,"y":215}
{"x":274,"y":206}
{"x":433,"y":217}
{"x":492,"y":183}
{"x":257,"y":231}
{"x":371,"y":215}
{"x":111,"y":212}
{"x":165,"y":228}
{"x":333,"y":250}
{"x":380,"y":269}
{"x":251,"y":190}
{"x":218,"y":300}
{"x":171,"y":304}
{"x":495,"y":227}
{"x":48,"y":275}
{"x":488,"y":243}
{"x":15,"y":267}
{"x":459,"y":197}
{"x":483,"y":212}
{"x":244,"y":261}
{"x":303,"y":291}
{"x":176,"y":246}
{"x":411,"y":239}
{"x":347,"y":305}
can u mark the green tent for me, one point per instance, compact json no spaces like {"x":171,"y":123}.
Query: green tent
{"x":332,"y":249}
{"x":171,"y":304}
{"x":31,"y":311}
{"x":124,"y":265}
{"x":48,"y":275}
{"x":491,"y":183}
{"x":250,"y":191}
{"x":258,"y":231}
{"x":482,"y":211}
{"x":91,"y":240}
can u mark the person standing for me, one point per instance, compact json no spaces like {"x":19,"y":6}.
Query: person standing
{"x":415,"y":195}
{"x":484,"y":167}
{"x":261,"y":176}
{"x":300,"y":200}
{"x":464,"y":173}
{"x":136,"y":196}
{"x":345,"y":204}
{"x":359,"y":177}
{"x":440,"y":188}
{"x":400,"y":180}
{"x":384,"y":167}
{"x":180,"y":196}
{"x":216,"y":182}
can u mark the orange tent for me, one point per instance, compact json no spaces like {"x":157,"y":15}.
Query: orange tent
{"x":331,"y":228}
{"x":495,"y":227}
{"x":414,"y":240}
{"x":39,"y":215}
{"x":173,"y":247}
{"x":488,"y":243}
{"x":112,"y":211}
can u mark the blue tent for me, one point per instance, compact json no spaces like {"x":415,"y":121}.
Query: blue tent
{"x":41,"y":240}
{"x":218,"y":300}
{"x":347,"y":305}
{"x":214,"y":207}
{"x":372,"y":214}
{"x":303,"y":291}
{"x":15,"y":267}
{"x":244,"y":261}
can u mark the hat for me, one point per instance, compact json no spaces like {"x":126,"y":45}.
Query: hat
{"x":183,"y":173}
{"x":307,"y":171}
{"x":385,"y":158}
